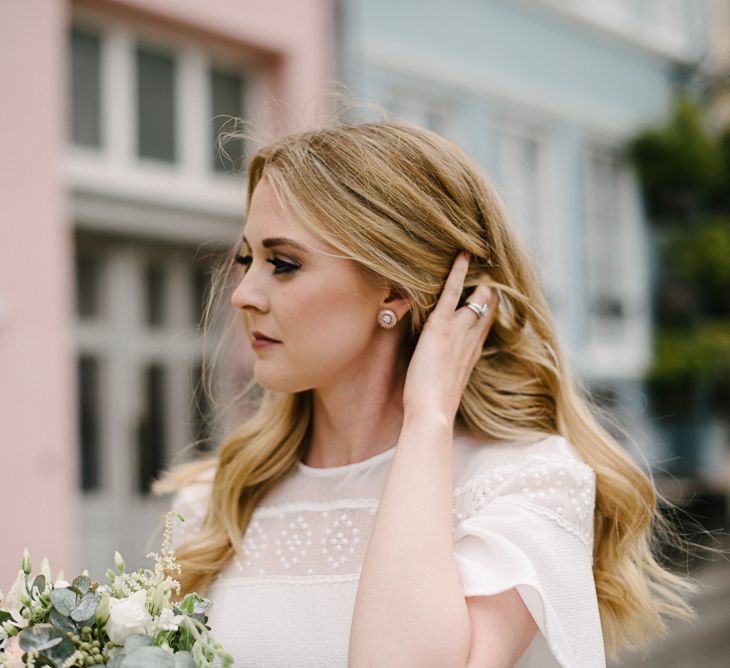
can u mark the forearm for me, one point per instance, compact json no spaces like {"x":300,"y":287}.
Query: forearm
{"x":410,"y":608}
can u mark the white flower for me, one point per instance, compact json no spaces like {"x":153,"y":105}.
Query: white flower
{"x":58,"y":584}
{"x":12,"y":653}
{"x":128,"y":616}
{"x":45,"y":569}
{"x":14,"y":601}
{"x":168,"y":620}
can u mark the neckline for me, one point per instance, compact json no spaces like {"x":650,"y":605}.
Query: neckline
{"x":326,"y":471}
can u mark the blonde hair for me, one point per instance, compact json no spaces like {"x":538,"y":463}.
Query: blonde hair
{"x":401,"y":201}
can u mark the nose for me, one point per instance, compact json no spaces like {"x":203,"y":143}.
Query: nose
{"x":248,"y":295}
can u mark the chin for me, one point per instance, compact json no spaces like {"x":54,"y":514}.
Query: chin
{"x":279,"y":382}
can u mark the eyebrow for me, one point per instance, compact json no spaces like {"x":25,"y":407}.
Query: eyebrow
{"x":278,"y":241}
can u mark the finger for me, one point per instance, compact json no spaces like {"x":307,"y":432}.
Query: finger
{"x":454,"y":285}
{"x":482,"y":294}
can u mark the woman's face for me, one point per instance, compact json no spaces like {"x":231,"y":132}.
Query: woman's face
{"x":321,"y":308}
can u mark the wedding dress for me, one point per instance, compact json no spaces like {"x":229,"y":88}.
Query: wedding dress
{"x":522,"y":517}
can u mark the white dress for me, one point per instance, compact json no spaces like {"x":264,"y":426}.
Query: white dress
{"x":522,"y":517}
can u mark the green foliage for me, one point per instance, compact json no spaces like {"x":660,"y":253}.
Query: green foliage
{"x":680,"y":165}
{"x":702,"y":353}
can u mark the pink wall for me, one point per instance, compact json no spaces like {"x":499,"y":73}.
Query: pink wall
{"x":37,"y":455}
{"x":38,"y":450}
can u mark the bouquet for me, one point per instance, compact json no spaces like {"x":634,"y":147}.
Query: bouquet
{"x":129,"y":623}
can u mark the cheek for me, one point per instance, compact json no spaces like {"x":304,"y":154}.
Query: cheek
{"x":334,"y":326}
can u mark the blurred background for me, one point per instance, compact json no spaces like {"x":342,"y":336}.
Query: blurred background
{"x":604,"y":123}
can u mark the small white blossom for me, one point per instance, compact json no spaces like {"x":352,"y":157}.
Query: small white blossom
{"x":168,"y":620}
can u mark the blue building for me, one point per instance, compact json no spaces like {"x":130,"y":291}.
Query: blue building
{"x":545,"y":94}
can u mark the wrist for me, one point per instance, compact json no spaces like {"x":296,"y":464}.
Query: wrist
{"x":427,"y":420}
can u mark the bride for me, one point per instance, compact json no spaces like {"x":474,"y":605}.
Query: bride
{"x":424,"y":483}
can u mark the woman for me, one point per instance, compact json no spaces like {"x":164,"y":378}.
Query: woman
{"x":424,"y":484}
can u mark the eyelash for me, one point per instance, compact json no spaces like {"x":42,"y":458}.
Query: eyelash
{"x":281,"y":266}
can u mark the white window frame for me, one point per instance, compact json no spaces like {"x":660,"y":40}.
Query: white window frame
{"x":115,"y":170}
{"x":543,"y":241}
{"x":626,"y":354}
{"x":413,"y":106}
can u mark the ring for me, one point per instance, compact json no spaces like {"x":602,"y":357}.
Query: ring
{"x":480,"y":310}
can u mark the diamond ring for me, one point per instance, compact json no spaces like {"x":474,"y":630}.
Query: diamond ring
{"x":480,"y":309}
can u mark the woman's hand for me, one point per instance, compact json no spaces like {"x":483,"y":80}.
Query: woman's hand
{"x":448,"y":348}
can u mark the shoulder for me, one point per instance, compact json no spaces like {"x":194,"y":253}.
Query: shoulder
{"x":547,"y":477}
{"x":474,"y":455}
{"x":194,"y":484}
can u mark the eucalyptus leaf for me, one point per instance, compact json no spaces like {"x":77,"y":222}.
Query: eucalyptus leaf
{"x":115,"y":662}
{"x":135,"y":641}
{"x":64,"y":600}
{"x":61,"y":621}
{"x":39,"y":583}
{"x":51,"y":642}
{"x":82,"y":583}
{"x":85,"y":609}
{"x":148,"y":657}
{"x":184,"y":660}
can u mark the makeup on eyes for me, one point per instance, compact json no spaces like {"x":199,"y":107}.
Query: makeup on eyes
{"x":281,"y":267}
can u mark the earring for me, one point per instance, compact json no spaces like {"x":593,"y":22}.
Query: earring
{"x":387,"y":318}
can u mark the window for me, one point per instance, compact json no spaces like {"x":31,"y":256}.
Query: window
{"x":425,"y":111}
{"x":226,"y":91}
{"x":605,"y":231}
{"x":152,"y":435}
{"x":88,"y":274}
{"x":85,"y":88}
{"x":155,"y":294}
{"x":155,"y":105}
{"x":88,"y":404}
{"x":518,"y":174}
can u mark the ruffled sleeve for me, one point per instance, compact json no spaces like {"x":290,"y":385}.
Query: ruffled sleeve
{"x":528,"y":524}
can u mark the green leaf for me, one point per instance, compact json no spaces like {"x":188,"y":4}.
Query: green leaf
{"x":4,"y":616}
{"x":64,"y":600}
{"x":85,"y":609}
{"x":82,"y":583}
{"x":39,"y":583}
{"x":184,"y":660}
{"x":61,"y":622}
{"x":135,"y":641}
{"x":148,"y":657}
{"x":50,"y":641}
{"x":187,"y":637}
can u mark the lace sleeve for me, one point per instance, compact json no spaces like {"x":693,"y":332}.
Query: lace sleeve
{"x":552,"y":485}
{"x":528,"y":525}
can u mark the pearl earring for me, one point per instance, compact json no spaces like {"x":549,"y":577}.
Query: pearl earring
{"x":387,"y":318}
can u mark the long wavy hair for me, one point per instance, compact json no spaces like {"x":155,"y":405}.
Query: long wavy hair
{"x":400,"y":202}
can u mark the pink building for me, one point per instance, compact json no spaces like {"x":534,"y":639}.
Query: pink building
{"x":113,"y":202}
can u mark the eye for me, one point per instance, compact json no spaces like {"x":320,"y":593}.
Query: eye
{"x":244,"y":260}
{"x":281,"y":267}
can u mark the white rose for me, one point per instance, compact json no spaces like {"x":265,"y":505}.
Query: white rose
{"x":128,"y":616}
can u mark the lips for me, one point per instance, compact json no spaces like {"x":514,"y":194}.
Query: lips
{"x":262,"y":337}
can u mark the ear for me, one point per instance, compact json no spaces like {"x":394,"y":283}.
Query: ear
{"x":395,"y":299}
